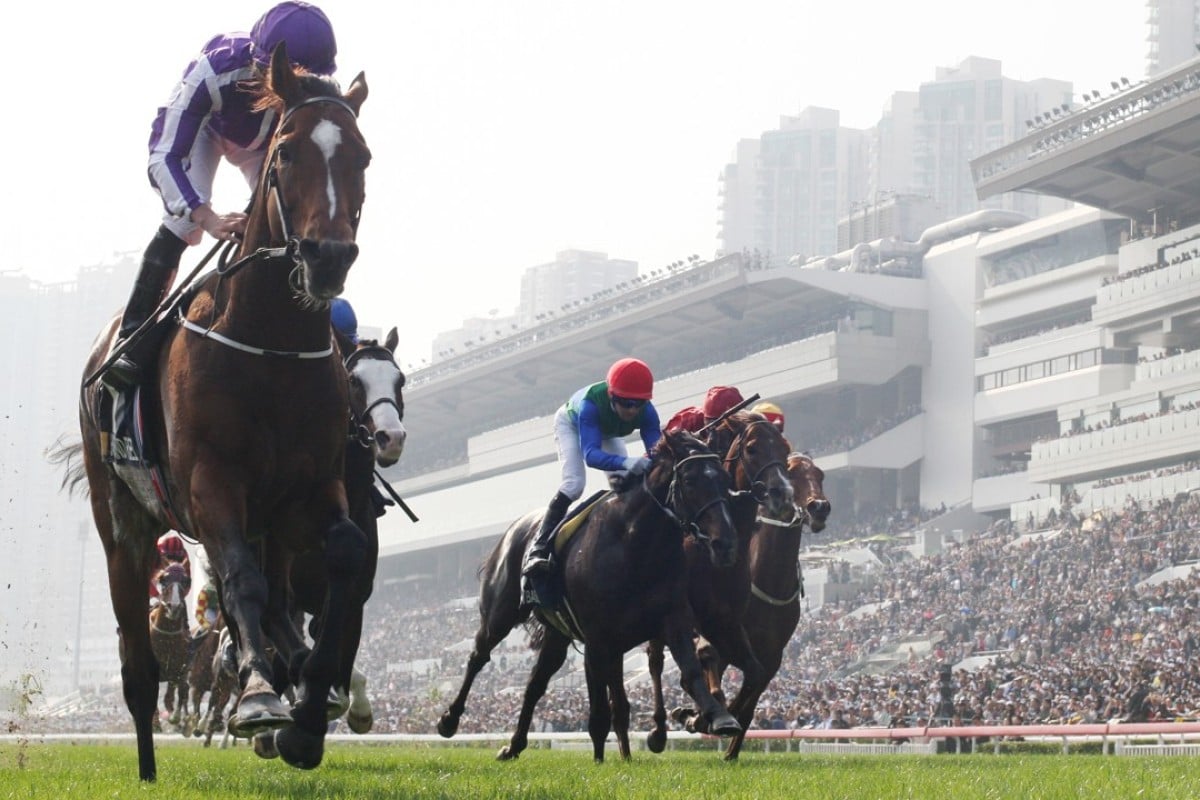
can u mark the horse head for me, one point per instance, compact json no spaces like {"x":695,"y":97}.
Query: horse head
{"x":313,"y":177}
{"x":696,"y":488}
{"x":377,"y":398}
{"x":808,"y":482}
{"x":173,"y":584}
{"x":756,"y":456}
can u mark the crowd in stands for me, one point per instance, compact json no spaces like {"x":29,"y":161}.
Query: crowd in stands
{"x":854,"y":433}
{"x":1162,"y":263}
{"x":1027,"y":333}
{"x":1058,"y":626}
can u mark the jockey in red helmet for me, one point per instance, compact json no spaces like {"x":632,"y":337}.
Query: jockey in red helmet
{"x":718,"y":400}
{"x":170,"y":551}
{"x":590,"y":431}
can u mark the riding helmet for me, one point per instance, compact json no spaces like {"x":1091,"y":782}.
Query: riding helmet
{"x":772,"y":412}
{"x":719,"y":400}
{"x":345,"y":321}
{"x":171,"y":546}
{"x":630,"y":378}
{"x":305,"y":29}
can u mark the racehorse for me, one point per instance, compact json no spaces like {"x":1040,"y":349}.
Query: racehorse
{"x":624,"y":583}
{"x":376,"y":437}
{"x":247,"y":417}
{"x":755,"y":455}
{"x":773,"y":609}
{"x":169,"y":639}
{"x":205,"y":676}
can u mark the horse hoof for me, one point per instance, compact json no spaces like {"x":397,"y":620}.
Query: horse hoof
{"x":725,"y":725}
{"x":257,"y":713}
{"x":360,"y":723}
{"x":656,"y":741}
{"x":447,"y":726}
{"x":264,"y":745}
{"x":506,"y":754}
{"x":299,"y":748}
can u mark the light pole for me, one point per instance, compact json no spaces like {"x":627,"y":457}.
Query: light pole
{"x":83,"y":538}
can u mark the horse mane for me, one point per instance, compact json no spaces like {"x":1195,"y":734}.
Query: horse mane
{"x":312,"y":85}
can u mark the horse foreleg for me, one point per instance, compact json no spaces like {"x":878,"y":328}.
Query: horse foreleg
{"x":691,"y":677}
{"x":550,"y":657}
{"x":361,"y":717}
{"x":302,"y":745}
{"x":656,"y":740}
{"x":746,"y":701}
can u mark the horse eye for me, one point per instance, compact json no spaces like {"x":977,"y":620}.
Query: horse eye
{"x":284,"y":155}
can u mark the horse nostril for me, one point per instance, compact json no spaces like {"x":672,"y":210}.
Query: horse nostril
{"x":383,"y":439}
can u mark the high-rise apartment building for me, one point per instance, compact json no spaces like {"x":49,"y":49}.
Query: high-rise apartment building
{"x":1173,"y":34}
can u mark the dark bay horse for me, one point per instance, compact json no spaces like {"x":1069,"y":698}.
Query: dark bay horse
{"x":169,"y":639}
{"x":376,"y":437}
{"x":248,"y":414}
{"x":773,"y":610}
{"x":755,"y":455}
{"x":624,"y":582}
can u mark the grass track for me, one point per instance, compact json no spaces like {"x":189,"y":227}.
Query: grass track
{"x":411,"y":772}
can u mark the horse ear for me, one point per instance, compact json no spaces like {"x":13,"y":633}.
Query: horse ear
{"x":283,"y":81}
{"x":357,"y":92}
{"x":393,"y":339}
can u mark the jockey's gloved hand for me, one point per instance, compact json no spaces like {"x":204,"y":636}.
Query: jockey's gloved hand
{"x":637,"y":466}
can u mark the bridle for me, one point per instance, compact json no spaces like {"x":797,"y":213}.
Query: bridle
{"x":758,"y":489}
{"x":359,"y":430}
{"x":672,"y":505}
{"x":290,"y":250}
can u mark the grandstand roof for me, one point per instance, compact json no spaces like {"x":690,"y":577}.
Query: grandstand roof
{"x":1136,"y":153}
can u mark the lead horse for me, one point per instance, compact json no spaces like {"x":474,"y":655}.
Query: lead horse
{"x":248,"y":411}
{"x":624,"y":582}
{"x":169,"y":639}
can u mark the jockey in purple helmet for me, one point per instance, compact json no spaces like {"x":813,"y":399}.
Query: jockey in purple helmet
{"x":210,"y":116}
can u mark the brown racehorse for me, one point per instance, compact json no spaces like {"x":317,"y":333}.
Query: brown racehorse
{"x":773,"y":610}
{"x":249,"y":411}
{"x":169,"y":638}
{"x":206,"y":677}
{"x":755,"y":454}
{"x":624,"y":583}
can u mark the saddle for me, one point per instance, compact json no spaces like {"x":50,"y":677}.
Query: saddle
{"x":547,"y":592}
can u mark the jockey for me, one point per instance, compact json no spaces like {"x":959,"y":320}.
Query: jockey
{"x":718,"y":400}
{"x":208,"y":606}
{"x":772,"y":412}
{"x":211,"y":115}
{"x":344,"y":320}
{"x":589,"y":430}
{"x":170,"y":551}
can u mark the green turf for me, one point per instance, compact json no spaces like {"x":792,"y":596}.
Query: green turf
{"x":352,"y":771}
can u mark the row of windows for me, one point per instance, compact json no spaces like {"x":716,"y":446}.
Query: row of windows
{"x":1052,"y":366}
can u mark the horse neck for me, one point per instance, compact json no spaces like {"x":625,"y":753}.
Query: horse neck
{"x":774,"y":553}
{"x":651,"y":526}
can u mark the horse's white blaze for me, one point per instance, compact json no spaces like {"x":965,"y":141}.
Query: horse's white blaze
{"x":327,"y":136}
{"x":379,"y":380}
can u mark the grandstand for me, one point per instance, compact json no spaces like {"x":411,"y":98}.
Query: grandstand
{"x":994,"y":367}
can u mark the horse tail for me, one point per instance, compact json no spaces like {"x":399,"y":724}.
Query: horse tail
{"x":537,"y":633}
{"x":69,"y":455}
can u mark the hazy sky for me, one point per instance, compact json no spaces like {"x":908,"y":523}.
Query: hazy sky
{"x":506,"y":131}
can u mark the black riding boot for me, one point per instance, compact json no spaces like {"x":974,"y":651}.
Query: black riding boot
{"x":159,"y":263}
{"x":540,"y":556}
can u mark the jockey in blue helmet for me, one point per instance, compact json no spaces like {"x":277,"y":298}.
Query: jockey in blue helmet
{"x":211,"y":115}
{"x":345,"y":321}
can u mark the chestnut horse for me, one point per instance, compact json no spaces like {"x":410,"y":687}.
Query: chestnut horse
{"x":755,"y":454}
{"x":624,"y":583}
{"x":773,"y":610}
{"x":206,"y":677}
{"x":248,"y":415}
{"x":170,"y":640}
